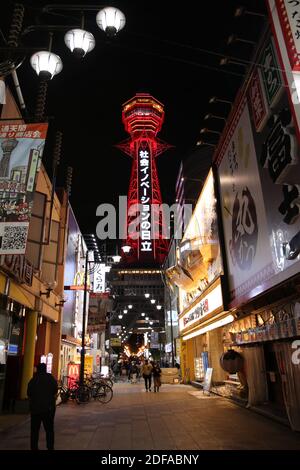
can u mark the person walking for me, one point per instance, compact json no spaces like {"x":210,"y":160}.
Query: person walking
{"x":146,"y":372}
{"x":42,"y":391}
{"x":156,"y":371}
{"x":133,"y":372}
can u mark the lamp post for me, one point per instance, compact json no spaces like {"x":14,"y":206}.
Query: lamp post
{"x":82,"y":353}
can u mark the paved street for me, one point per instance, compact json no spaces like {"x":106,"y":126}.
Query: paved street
{"x":178,"y":417}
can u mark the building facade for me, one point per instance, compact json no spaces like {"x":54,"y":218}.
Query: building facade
{"x":31,"y":285}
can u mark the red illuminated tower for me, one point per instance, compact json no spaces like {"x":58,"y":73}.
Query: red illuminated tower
{"x":143,"y":117}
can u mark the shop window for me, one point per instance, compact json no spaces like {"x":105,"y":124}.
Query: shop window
{"x":50,"y":257}
{"x":35,"y":233}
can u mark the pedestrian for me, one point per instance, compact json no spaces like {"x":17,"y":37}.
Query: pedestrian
{"x":156,"y":371}
{"x":133,"y":372}
{"x":147,"y":371}
{"x":42,"y":391}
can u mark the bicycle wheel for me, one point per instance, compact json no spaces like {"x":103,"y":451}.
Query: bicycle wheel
{"x":63,"y":395}
{"x":82,"y":394}
{"x":104,"y":393}
{"x":110,"y":383}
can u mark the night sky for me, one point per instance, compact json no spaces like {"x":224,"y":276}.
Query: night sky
{"x":159,"y":52}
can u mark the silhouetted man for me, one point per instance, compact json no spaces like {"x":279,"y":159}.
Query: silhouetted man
{"x":42,"y":390}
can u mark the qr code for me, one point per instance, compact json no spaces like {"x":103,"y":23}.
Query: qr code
{"x":14,"y":238}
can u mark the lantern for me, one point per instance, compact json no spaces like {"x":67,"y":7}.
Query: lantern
{"x":231,"y":361}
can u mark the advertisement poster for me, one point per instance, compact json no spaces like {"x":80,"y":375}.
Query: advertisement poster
{"x":244,"y":219}
{"x":278,"y":153}
{"x":21,"y":149}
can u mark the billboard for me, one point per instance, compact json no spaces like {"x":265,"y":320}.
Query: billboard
{"x":259,"y":184}
{"x":21,"y":149}
{"x":200,"y":261}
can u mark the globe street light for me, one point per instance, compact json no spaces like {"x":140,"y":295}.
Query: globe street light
{"x":46,"y":64}
{"x":111,"y":20}
{"x":80,"y":42}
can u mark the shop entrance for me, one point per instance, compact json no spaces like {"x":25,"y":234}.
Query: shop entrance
{"x":274,"y":382}
{"x":11,"y":349}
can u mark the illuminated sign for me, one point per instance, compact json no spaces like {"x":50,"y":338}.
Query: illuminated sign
{"x":73,"y":373}
{"x":145,"y":197}
{"x":209,"y":303}
{"x":99,"y":279}
{"x":78,"y":283}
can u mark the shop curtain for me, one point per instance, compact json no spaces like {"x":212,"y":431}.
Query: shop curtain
{"x":256,"y":375}
{"x":290,"y":376}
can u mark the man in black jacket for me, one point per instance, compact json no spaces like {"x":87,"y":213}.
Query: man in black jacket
{"x":42,"y":390}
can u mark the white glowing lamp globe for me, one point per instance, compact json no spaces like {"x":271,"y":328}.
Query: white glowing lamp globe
{"x":153,"y":301}
{"x":147,"y":296}
{"x":46,"y":64}
{"x":116,"y":258}
{"x":111,"y":20}
{"x":80,"y":42}
{"x":126,"y":248}
{"x":158,"y":307}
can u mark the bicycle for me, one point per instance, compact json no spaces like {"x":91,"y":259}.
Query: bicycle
{"x":73,"y":391}
{"x":99,"y":389}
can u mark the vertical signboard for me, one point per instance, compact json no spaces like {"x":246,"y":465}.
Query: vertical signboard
{"x":21,"y":149}
{"x":99,"y":279}
{"x":145,"y":197}
{"x":285,"y":18}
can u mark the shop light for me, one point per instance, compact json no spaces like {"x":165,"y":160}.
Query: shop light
{"x":212,"y":326}
{"x":158,"y":307}
{"x":120,"y":316}
{"x":125,"y":311}
{"x":143,"y":314}
{"x":130,"y":306}
{"x":153,"y":301}
{"x":147,"y":295}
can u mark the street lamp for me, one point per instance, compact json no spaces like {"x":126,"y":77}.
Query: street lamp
{"x":80,"y":42}
{"x":89,"y":258}
{"x":111,"y":20}
{"x":46,"y":64}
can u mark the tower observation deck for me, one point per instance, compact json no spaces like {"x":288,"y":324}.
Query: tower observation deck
{"x":146,"y":233}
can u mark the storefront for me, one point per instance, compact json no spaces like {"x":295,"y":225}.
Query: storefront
{"x":201,"y":333}
{"x":267,"y":341}
{"x":12,"y":327}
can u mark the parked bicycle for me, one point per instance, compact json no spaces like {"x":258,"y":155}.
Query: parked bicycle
{"x":99,"y":389}
{"x":74,"y":391}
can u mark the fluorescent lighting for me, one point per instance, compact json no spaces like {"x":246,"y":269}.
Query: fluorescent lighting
{"x":212,"y":326}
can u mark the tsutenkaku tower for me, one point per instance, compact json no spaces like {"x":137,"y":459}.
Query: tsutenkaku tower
{"x":143,"y":117}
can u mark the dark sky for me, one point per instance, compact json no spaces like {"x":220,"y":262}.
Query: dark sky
{"x":158,"y":52}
